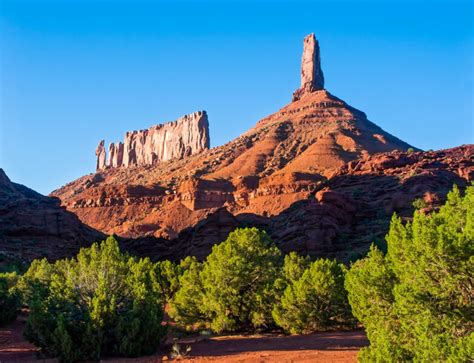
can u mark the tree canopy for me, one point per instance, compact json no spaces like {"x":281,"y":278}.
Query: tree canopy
{"x":417,"y":301}
{"x":101,"y":303}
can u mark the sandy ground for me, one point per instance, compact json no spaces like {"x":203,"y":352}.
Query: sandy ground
{"x":337,"y":347}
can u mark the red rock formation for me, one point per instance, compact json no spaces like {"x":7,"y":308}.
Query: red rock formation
{"x":283,"y":159}
{"x":173,"y":140}
{"x":346,"y":213}
{"x":101,"y":156}
{"x":115,"y":155}
{"x":271,"y":176}
{"x":312,"y":77}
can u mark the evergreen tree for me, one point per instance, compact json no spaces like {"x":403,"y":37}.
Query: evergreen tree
{"x":315,"y":301}
{"x":238,"y":278}
{"x":9,"y":297}
{"x":186,"y":305}
{"x":101,"y":303}
{"x":417,"y":302}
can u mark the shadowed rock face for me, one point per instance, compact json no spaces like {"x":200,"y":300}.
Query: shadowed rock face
{"x":33,"y":225}
{"x":186,"y":136}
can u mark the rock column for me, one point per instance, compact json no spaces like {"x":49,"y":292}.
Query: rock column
{"x":101,"y":155}
{"x":312,"y":77}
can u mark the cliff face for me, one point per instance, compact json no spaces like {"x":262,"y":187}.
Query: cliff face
{"x":33,"y":225}
{"x":302,"y":173}
{"x":174,"y":140}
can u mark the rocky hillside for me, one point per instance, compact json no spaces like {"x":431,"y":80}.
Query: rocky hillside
{"x":345,"y":213}
{"x":282,"y":160}
{"x":32,"y":225}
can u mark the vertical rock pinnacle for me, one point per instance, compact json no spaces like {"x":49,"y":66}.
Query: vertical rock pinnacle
{"x":312,"y":77}
{"x":101,"y":156}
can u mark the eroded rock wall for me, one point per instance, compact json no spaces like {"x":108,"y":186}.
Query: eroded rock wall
{"x":174,"y":140}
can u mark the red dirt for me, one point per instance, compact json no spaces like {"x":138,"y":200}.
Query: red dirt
{"x":341,"y":347}
{"x":13,"y":347}
{"x":320,"y":347}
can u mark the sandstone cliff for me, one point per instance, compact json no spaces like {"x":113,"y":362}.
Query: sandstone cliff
{"x":173,"y":140}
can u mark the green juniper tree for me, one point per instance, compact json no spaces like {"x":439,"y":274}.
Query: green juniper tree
{"x":314,"y":301}
{"x":186,"y":305}
{"x":417,"y":302}
{"x":238,"y":278}
{"x":234,"y":288}
{"x":101,"y":303}
{"x":10,"y":301}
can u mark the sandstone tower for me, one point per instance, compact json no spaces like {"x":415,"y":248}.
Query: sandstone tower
{"x":312,"y":77}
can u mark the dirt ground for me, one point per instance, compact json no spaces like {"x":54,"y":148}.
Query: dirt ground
{"x":337,"y":347}
{"x":13,"y":347}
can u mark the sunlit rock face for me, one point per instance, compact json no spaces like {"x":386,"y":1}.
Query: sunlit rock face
{"x":186,"y":136}
{"x":312,"y":77}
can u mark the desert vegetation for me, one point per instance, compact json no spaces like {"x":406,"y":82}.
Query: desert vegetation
{"x":102,"y":303}
{"x":415,"y":301}
{"x":245,"y":284}
{"x":10,"y":301}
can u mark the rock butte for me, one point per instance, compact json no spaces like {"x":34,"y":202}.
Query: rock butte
{"x":317,"y":175}
{"x":173,"y":140}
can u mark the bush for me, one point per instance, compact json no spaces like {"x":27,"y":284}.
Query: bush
{"x":416,"y":303}
{"x":238,"y":278}
{"x":234,"y":288}
{"x":419,"y":203}
{"x":314,"y":301}
{"x":168,"y":274}
{"x":10,"y":301}
{"x":186,"y":305}
{"x":101,"y":303}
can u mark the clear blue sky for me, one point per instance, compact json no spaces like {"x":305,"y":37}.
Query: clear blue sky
{"x":75,"y":72}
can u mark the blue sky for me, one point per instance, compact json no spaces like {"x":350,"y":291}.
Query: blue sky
{"x":75,"y":72}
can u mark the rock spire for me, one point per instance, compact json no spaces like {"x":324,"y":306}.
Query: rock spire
{"x":312,"y":77}
{"x":101,"y":155}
